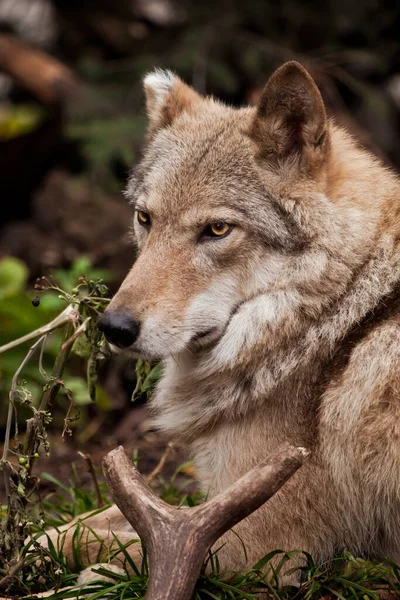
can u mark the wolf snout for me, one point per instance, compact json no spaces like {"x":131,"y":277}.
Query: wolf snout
{"x":120,"y":329}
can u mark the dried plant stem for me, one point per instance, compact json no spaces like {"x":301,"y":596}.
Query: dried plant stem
{"x":91,"y":469}
{"x":69,"y":314}
{"x":76,"y":334}
{"x":50,"y":392}
{"x":13,"y":391}
{"x":49,"y":395}
{"x":14,"y":569}
{"x":57,"y":372}
{"x":159,"y":467}
{"x":41,"y":368}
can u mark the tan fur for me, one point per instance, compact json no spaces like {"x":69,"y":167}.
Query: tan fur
{"x":94,"y":542}
{"x":300,"y":302}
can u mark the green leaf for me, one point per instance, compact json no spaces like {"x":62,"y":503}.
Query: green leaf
{"x":13,"y":276}
{"x":81,"y":347}
{"x":54,"y":480}
{"x":152,"y":378}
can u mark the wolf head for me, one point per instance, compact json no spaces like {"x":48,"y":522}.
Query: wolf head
{"x":240,"y":218}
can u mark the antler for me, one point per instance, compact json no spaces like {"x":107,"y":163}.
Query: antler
{"x":177,"y":540}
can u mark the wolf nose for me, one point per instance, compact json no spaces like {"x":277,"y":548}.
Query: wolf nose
{"x":119,"y":328}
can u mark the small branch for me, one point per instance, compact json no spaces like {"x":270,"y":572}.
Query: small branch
{"x":57,"y":372}
{"x":41,"y":368}
{"x":92,"y":472}
{"x":178,"y":540}
{"x":46,"y":77}
{"x":32,"y":441}
{"x":69,"y":314}
{"x":76,"y":334}
{"x":13,"y":391}
{"x":157,"y":470}
{"x":7,"y":579}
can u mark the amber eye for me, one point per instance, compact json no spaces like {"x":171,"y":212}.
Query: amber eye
{"x":217,"y":229}
{"x":143,"y":217}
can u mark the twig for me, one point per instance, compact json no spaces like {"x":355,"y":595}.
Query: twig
{"x":45,"y":76}
{"x":13,"y":391}
{"x":67,"y":419}
{"x":68,"y":314}
{"x":41,"y":368}
{"x":178,"y":540}
{"x":57,"y":372}
{"x":159,"y":467}
{"x":7,"y":579}
{"x":32,"y":441}
{"x":76,"y":334}
{"x":91,"y":469}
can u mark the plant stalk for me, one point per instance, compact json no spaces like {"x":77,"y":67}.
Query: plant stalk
{"x":67,"y":315}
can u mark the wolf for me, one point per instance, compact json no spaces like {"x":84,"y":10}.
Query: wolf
{"x":268,"y":283}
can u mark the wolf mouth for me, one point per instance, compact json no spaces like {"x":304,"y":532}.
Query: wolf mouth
{"x":214,"y":334}
{"x":205,"y":340}
{"x":203,"y":334}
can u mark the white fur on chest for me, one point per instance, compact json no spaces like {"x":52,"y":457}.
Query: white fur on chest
{"x":229,"y":451}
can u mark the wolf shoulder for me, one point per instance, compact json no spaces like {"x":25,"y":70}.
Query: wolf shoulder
{"x":362,"y":407}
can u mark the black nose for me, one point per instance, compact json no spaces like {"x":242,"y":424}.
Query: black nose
{"x":119,"y":328}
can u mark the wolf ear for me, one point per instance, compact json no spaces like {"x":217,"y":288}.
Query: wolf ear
{"x":290,"y":121}
{"x":166,"y":98}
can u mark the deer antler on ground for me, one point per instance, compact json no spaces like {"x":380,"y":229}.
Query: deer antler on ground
{"x":177,"y":540}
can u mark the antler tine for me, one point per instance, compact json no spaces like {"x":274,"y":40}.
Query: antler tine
{"x":178,"y":540}
{"x":137,"y":502}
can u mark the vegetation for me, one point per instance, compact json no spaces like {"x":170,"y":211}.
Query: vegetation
{"x":78,"y":321}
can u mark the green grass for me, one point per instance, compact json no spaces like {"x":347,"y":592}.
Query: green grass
{"x":344,"y":577}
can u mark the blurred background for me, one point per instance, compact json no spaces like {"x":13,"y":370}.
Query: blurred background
{"x":72,"y":123}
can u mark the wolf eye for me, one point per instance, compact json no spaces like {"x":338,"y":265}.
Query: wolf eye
{"x":218,"y":229}
{"x":143,"y":217}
